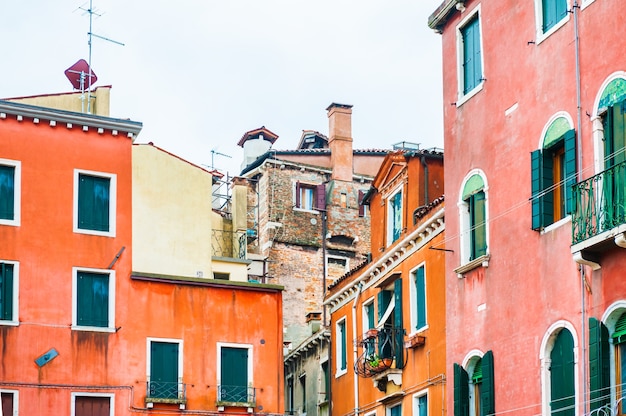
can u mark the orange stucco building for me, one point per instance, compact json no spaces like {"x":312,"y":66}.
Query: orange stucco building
{"x":87,"y":326}
{"x":388,"y":314}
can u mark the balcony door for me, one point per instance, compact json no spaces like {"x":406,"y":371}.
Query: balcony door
{"x":614,"y":155}
{"x":164,"y":370}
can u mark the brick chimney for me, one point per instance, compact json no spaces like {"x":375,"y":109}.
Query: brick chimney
{"x":340,"y":140}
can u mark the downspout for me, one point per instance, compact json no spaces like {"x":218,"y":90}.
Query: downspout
{"x":354,"y":350}
{"x":425,"y":165}
{"x":575,"y":11}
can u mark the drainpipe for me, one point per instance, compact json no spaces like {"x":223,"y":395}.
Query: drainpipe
{"x":354,"y":350}
{"x":575,"y":11}
{"x":423,"y":160}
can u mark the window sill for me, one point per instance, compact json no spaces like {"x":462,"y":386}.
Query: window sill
{"x":340,"y":373}
{"x":93,"y":329}
{"x":482,"y":261}
{"x":10,"y":323}
{"x":556,"y":225}
{"x":94,"y":232}
{"x":465,"y":97}
{"x":312,"y":211}
{"x":541,"y":36}
{"x":12,"y":223}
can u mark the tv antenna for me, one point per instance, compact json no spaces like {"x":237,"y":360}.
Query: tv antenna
{"x":83,"y":71}
{"x":213,"y":154}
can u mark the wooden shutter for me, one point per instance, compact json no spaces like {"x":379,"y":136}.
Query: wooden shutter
{"x":547,"y":180}
{"x":6,"y":400}
{"x":164,"y":369}
{"x":320,"y":197}
{"x":487,"y":392}
{"x":234,"y":374}
{"x":397,"y":323}
{"x":570,"y":168}
{"x":536,"y":188}
{"x":361,"y":206}
{"x":478,"y":231}
{"x":384,"y":297}
{"x":420,"y":292}
{"x":92,"y":299}
{"x":298,"y":194}
{"x":344,"y":346}
{"x":562,"y":389}
{"x":461,"y":391}
{"x":93,"y":203}
{"x":599,"y":364}
{"x":7,"y":192}
{"x":6,"y":291}
{"x":91,"y":406}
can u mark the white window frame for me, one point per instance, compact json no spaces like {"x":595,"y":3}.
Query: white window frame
{"x":16,"y":401}
{"x":305,"y":185}
{"x":112,"y":202}
{"x":464,"y":220}
{"x":250,"y":366}
{"x":413,"y":296}
{"x":416,"y":397}
{"x":111,"y":397}
{"x":392,"y":406}
{"x":609,"y":319}
{"x":15,"y":321}
{"x":464,"y":97}
{"x":364,"y":321}
{"x":111,"y":326}
{"x":17,"y":192}
{"x":469,"y":365}
{"x":338,"y":353}
{"x":180,"y":343}
{"x":544,"y":358}
{"x":541,"y":35}
{"x":586,"y":3}
{"x":389,"y":219}
{"x":347,"y":260}
{"x":597,"y":123}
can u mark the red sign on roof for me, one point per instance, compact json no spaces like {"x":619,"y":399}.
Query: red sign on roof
{"x":79,"y":74}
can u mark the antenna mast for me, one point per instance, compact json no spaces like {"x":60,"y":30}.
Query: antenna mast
{"x":213,"y":153}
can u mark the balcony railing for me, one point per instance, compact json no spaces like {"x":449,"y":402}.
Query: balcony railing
{"x":228,"y":244}
{"x":380,"y":350}
{"x":166,"y":392}
{"x":236,"y":395}
{"x":600,"y":203}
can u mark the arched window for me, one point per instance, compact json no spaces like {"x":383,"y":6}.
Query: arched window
{"x":559,"y":368}
{"x":473,"y":210}
{"x":553,"y":172}
{"x":474,"y":387}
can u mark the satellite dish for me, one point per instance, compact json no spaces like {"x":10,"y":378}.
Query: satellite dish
{"x":81,"y":75}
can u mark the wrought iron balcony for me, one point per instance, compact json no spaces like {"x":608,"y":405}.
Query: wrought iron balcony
{"x":236,"y":396}
{"x":228,"y":244}
{"x":600,"y":204}
{"x":166,"y":392}
{"x":380,"y":350}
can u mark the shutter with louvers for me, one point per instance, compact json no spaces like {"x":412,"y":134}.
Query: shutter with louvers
{"x":536,"y":188}
{"x":478,"y":233}
{"x":397,"y":323}
{"x":344,"y":346}
{"x":384,"y":297}
{"x":547,"y":180}
{"x":6,"y":291}
{"x":487,"y":392}
{"x":461,"y":391}
{"x":298,"y":194}
{"x":320,"y":197}
{"x":599,"y":364}
{"x":420,"y":289}
{"x":562,"y":388}
{"x":7,"y":192}
{"x":570,"y":168}
{"x":361,"y":206}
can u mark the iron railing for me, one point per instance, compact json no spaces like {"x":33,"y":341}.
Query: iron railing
{"x":229,"y":244}
{"x":600,"y":203}
{"x":165,"y":390}
{"x":381,"y":349}
{"x":236,"y":394}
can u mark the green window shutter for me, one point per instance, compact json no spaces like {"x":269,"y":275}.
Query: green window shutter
{"x":547,"y":180}
{"x":562,"y":388}
{"x":6,"y":291}
{"x":396,"y":208}
{"x":234,"y":374}
{"x":487,"y":392}
{"x":461,"y":391}
{"x":92,"y":298}
{"x":164,"y":370}
{"x":384,"y":297}
{"x":472,"y":71}
{"x":599,"y":364}
{"x":478,"y":233}
{"x":93,"y":202}
{"x":344,"y":345}
{"x":570,"y":168}
{"x":420,"y":291}
{"x":422,"y":405}
{"x":398,"y":334}
{"x":370,"y":315}
{"x":7,"y":192}
{"x":553,"y":12}
{"x":536,"y":188}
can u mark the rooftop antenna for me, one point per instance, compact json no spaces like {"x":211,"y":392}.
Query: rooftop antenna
{"x":213,"y":153}
{"x":91,"y":77}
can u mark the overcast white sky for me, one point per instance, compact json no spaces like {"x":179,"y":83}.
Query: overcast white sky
{"x":200,"y":73}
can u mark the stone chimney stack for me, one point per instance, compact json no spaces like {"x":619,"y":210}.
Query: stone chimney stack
{"x":340,"y":140}
{"x":255,"y":143}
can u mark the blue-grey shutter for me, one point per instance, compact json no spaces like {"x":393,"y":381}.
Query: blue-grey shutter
{"x":570,"y":168}
{"x":599,"y":364}
{"x":461,"y":391}
{"x":487,"y":392}
{"x":420,"y":291}
{"x":384,"y":297}
{"x":397,"y":323}
{"x":7,"y":192}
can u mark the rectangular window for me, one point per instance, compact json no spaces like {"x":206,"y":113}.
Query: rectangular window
{"x":363,"y":209}
{"x":341,"y":347}
{"x":420,"y":405}
{"x":552,"y":11}
{"x":9,"y":285}
{"x":94,"y":300}
{"x":235,"y":373}
{"x":95,"y":199}
{"x":289,"y":396}
{"x":418,"y":299}
{"x":394,"y":410}
{"x":165,"y":369}
{"x":472,"y":74}
{"x":310,"y":197}
{"x":10,"y":179}
{"x":325,"y":381}
{"x":394,"y":217}
{"x":9,"y":402}
{"x":92,"y":404}
{"x":303,"y":392}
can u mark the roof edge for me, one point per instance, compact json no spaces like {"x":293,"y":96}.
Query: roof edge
{"x":440,"y":16}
